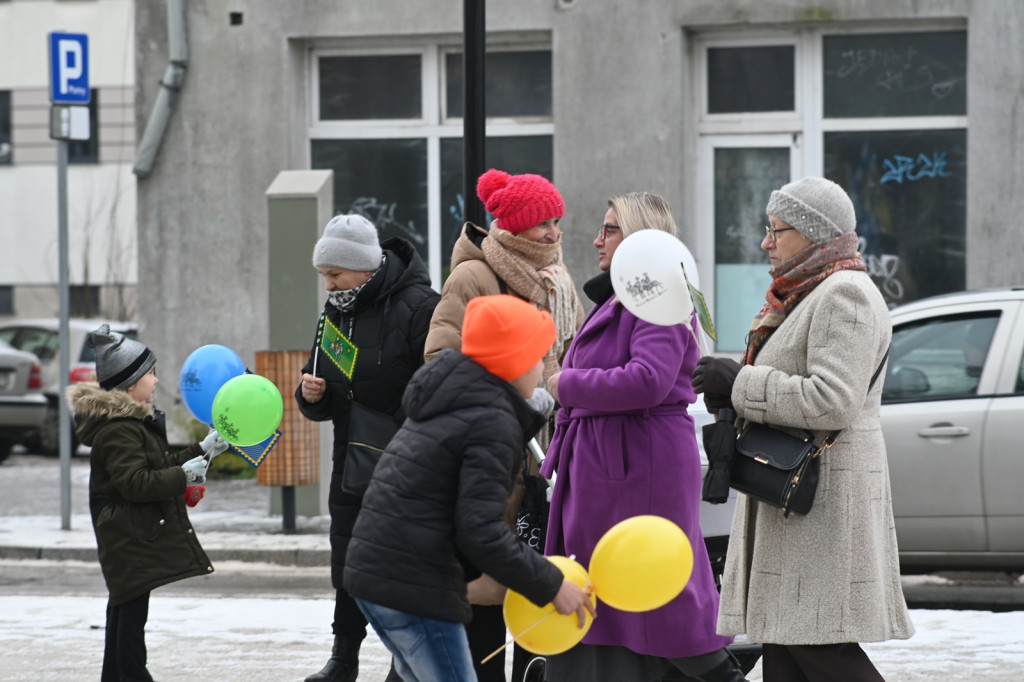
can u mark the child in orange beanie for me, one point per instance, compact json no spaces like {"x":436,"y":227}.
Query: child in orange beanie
{"x":433,"y":514}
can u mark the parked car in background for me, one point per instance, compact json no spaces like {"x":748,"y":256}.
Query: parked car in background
{"x":953,"y":419}
{"x":23,"y":406}
{"x":41,"y":337}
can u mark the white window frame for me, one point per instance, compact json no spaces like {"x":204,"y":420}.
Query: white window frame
{"x":805,"y":126}
{"x":433,"y":124}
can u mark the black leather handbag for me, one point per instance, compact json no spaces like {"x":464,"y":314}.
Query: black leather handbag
{"x":778,"y":468}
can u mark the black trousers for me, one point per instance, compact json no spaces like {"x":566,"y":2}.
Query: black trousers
{"x":349,"y":621}
{"x":486,"y":632}
{"x":124,"y":650}
{"x":820,"y":663}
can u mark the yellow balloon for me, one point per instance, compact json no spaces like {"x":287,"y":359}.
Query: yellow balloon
{"x":641,"y":563}
{"x":541,"y":629}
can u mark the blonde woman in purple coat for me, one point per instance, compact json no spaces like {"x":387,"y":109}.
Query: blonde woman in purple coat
{"x":623,"y":446}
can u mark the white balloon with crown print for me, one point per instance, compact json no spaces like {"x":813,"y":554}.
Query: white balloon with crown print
{"x":647,"y":275}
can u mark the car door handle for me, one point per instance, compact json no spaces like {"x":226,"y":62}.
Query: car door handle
{"x":943,"y":431}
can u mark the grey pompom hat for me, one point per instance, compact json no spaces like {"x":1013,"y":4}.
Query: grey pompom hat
{"x":819,"y":208}
{"x":120,"y":361}
{"x":349,"y":242}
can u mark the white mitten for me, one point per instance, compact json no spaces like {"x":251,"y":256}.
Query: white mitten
{"x":542,"y":402}
{"x":195,"y":470}
{"x":213,"y":444}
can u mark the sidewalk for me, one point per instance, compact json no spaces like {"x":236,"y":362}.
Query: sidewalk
{"x":232,"y":521}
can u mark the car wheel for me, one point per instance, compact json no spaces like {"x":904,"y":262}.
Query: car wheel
{"x":5,"y":448}
{"x":46,"y":439}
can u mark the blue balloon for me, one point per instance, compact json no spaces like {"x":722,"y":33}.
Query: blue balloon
{"x":207,"y":369}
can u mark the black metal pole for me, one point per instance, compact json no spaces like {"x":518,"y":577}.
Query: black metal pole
{"x":473,"y":117}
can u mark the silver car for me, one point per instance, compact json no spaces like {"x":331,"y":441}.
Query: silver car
{"x":953,"y":419}
{"x":41,"y":337}
{"x":22,"y":403}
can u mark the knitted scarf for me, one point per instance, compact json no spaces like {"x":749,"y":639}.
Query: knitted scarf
{"x":345,"y":299}
{"x":793,"y":279}
{"x":536,"y":273}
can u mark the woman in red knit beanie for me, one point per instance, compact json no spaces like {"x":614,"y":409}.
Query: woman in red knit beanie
{"x":520,"y":255}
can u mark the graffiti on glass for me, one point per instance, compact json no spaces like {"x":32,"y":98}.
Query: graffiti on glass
{"x":892,"y":70}
{"x":883,"y":269}
{"x":382,"y":215}
{"x":899,"y":168}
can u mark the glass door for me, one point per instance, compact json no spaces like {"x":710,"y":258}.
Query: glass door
{"x":738,"y":173}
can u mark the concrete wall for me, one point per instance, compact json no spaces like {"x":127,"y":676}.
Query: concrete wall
{"x":623,"y":114}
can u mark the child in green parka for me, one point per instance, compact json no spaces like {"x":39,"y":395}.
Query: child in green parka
{"x":137,"y":493}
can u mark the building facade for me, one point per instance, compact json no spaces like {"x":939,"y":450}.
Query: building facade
{"x":102,"y":259}
{"x":916,"y":107}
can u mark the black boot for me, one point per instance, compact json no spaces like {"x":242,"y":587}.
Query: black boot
{"x":393,"y":675}
{"x":343,"y":665}
{"x":728,"y":670}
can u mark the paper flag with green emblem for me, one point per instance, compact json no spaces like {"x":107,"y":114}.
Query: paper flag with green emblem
{"x":337,"y":347}
{"x":700,"y":306}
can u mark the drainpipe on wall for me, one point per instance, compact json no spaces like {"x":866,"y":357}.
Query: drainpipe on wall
{"x":173,"y":79}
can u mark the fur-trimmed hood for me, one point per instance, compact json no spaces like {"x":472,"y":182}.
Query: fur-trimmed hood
{"x":93,"y":406}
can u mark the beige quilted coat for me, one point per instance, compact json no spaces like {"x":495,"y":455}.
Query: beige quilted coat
{"x":831,"y":576}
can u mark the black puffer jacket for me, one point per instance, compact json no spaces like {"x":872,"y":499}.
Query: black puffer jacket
{"x":389,"y":325}
{"x":439,"y":493}
{"x":136,"y":488}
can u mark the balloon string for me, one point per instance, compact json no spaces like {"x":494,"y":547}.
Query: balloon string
{"x":525,"y":630}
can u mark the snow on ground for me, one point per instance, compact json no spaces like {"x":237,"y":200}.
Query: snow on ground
{"x":61,"y":638}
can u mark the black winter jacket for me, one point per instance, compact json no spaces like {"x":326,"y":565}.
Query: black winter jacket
{"x":136,"y":488}
{"x":439,"y":493}
{"x":389,"y":326}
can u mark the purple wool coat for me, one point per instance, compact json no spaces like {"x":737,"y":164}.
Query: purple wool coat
{"x":623,"y":446}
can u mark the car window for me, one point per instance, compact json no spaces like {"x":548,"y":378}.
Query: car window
{"x":1019,"y":388}
{"x":34,"y":340}
{"x":940,"y":357}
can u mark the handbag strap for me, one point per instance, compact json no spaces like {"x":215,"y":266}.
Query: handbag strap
{"x":827,"y":443}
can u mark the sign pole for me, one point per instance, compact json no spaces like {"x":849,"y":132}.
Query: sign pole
{"x":474,"y":41}
{"x":69,"y":119}
{"x":65,"y":354}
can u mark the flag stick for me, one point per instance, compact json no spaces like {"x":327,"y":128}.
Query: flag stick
{"x":525,"y":630}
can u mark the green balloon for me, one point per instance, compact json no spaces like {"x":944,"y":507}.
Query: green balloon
{"x":247,"y":410}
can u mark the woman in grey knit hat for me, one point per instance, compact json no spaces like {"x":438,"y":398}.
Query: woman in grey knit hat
{"x":811,"y":588}
{"x":380,"y":300}
{"x":137,"y":493}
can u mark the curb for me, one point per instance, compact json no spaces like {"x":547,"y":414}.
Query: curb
{"x":283,"y":557}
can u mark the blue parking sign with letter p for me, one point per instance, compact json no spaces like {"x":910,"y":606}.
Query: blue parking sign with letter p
{"x":69,"y":68}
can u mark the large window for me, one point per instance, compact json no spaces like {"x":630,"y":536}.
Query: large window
{"x":882,"y":114}
{"x":396,"y":151}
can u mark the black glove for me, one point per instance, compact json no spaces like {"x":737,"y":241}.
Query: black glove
{"x":715,"y":375}
{"x":714,"y":378}
{"x":715,"y":402}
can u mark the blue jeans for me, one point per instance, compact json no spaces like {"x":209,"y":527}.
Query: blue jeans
{"x":425,"y":650}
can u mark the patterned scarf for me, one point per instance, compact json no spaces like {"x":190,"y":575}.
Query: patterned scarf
{"x":536,"y":273}
{"x":792,"y":280}
{"x":345,"y":300}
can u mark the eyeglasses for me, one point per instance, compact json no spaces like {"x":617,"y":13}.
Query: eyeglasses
{"x":773,"y":233}
{"x":602,"y":232}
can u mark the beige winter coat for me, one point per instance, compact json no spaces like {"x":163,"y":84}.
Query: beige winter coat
{"x":471,"y":276}
{"x":831,"y":576}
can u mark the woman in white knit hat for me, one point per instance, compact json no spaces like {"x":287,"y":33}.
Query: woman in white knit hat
{"x":810,"y":588}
